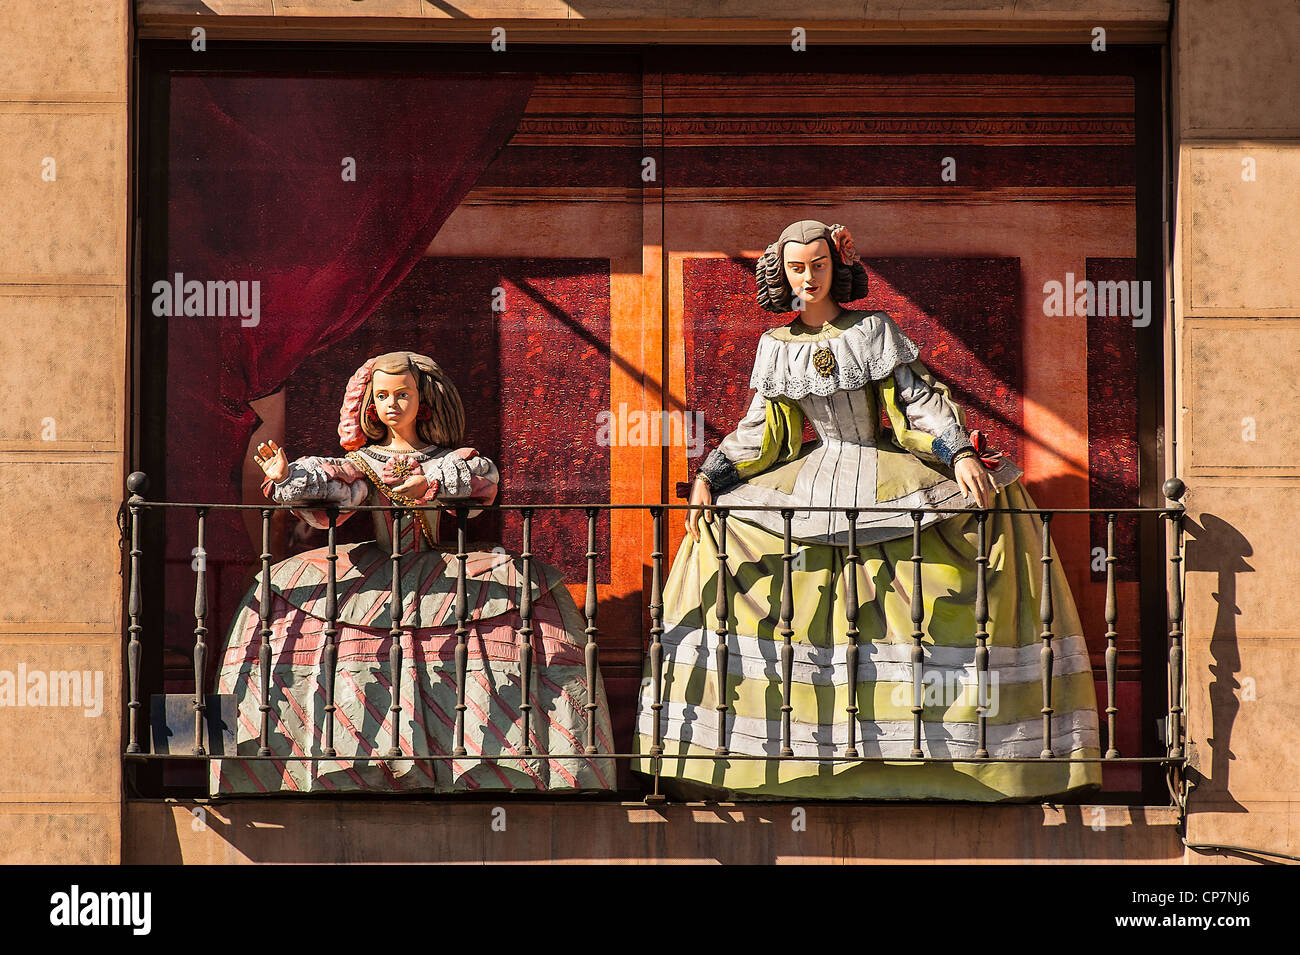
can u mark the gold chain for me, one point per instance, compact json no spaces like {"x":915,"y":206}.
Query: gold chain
{"x":393,"y":496}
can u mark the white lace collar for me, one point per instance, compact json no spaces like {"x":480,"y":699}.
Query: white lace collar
{"x":867,"y":350}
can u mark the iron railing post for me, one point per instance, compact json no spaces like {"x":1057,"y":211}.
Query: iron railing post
{"x":1173,"y":491}
{"x":200,"y":631}
{"x":138,"y":484}
{"x":1048,"y":656}
{"x":918,"y":653}
{"x":981,"y":631}
{"x":851,"y":613}
{"x":1112,"y":649}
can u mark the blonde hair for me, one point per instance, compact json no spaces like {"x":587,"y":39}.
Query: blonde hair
{"x":445,"y":423}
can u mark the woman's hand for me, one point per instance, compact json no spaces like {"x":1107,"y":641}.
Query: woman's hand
{"x":271,"y":459}
{"x":973,"y":478}
{"x":701,"y":494}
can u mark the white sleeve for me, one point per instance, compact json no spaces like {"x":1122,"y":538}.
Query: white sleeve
{"x":930,"y":410}
{"x":745,"y":443}
{"x":307,"y":483}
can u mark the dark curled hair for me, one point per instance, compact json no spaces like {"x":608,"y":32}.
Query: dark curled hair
{"x":848,"y":282}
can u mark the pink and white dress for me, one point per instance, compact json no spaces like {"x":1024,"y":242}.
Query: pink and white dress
{"x":363,"y":694}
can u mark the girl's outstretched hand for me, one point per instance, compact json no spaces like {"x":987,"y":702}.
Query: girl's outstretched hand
{"x":271,"y":459}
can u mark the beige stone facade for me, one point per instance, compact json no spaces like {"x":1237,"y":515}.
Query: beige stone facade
{"x":68,"y":236}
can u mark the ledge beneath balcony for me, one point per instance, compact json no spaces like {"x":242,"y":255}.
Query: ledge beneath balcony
{"x":574,"y":831}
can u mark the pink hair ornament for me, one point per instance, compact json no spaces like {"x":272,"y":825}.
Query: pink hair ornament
{"x":351,"y":437}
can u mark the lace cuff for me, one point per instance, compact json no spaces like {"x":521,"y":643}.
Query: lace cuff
{"x":718,"y":471}
{"x":954,"y":440}
{"x":454,"y":475}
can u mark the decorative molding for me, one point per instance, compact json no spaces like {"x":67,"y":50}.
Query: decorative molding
{"x":1084,"y":129}
{"x":940,"y":192}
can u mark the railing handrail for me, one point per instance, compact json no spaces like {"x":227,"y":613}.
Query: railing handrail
{"x":453,"y":505}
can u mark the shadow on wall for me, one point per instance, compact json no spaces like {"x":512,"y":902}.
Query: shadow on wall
{"x":1215,"y":546}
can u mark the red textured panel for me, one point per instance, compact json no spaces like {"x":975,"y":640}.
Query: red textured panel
{"x":1113,"y":422}
{"x":963,"y":313}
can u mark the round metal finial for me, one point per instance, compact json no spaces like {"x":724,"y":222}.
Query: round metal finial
{"x":1174,"y":488}
{"x":137,"y":482}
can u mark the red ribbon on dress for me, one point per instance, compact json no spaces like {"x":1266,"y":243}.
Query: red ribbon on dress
{"x":989,"y":458}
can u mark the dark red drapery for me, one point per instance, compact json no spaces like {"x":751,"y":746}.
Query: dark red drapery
{"x":257,"y":192}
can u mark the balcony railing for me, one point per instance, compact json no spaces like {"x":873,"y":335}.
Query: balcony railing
{"x":1173,"y":759}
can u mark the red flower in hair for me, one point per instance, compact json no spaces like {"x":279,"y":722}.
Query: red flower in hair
{"x":843,"y":240}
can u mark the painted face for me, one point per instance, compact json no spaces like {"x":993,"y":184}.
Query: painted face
{"x":397,"y":399}
{"x":808,"y":270}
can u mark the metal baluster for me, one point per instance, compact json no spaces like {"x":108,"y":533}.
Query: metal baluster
{"x":1174,"y":490}
{"x":395,"y":646}
{"x":526,"y":634}
{"x":591,"y":653}
{"x":264,"y":636}
{"x":981,"y":631}
{"x":918,"y":654}
{"x":787,"y":631}
{"x":1112,"y":651}
{"x":200,"y":633}
{"x":137,"y":484}
{"x":462,"y":631}
{"x":656,"y":639}
{"x":851,"y":611}
{"x":722,"y":609}
{"x":1048,"y":655}
{"x":331,"y":655}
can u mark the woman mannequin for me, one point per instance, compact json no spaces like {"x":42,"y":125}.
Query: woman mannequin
{"x":402,"y":423}
{"x":837,"y":368}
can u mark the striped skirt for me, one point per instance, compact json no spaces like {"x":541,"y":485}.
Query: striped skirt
{"x":425,"y":720}
{"x":884,"y":724}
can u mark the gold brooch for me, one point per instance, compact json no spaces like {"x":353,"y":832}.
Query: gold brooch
{"x":824,"y":361}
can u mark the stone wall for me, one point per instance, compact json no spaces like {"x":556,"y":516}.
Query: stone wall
{"x":64,"y":162}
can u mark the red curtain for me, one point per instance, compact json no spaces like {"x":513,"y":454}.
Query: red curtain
{"x":325,"y":189}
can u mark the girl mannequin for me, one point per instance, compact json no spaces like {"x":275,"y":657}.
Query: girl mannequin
{"x":402,"y":424}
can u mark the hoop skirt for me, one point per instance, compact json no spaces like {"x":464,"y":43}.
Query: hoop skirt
{"x":856,"y":464}
{"x":363,"y":728}
{"x":819,"y":684}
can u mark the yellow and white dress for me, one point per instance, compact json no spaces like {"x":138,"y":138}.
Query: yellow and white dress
{"x":857,"y":463}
